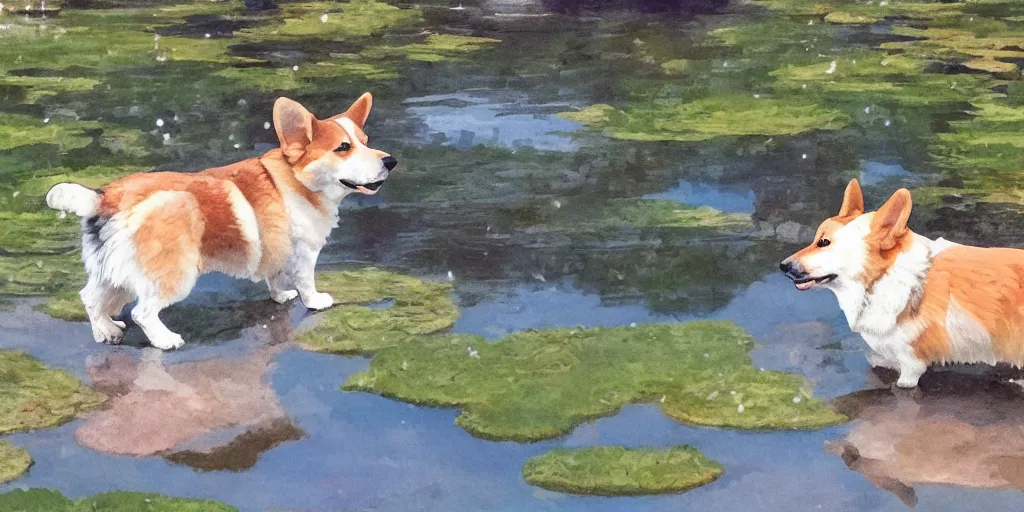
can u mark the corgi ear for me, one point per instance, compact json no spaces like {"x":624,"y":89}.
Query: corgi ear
{"x":360,"y":110}
{"x":853,"y":200}
{"x":890,"y":221}
{"x":294,"y":125}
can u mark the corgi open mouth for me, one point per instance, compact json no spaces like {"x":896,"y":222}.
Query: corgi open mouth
{"x":807,"y":282}
{"x":366,"y":188}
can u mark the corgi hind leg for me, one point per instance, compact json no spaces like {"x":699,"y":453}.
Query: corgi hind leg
{"x":100,"y":300}
{"x":146,"y":315}
{"x":166,"y":241}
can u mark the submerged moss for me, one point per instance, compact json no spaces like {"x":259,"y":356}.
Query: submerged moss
{"x":35,"y":396}
{"x":21,"y":130}
{"x":583,"y":216}
{"x":436,"y":48}
{"x":356,"y":323}
{"x":538,"y":385}
{"x":46,"y":500}
{"x":14,"y":462}
{"x":706,"y":118}
{"x":618,"y":471}
{"x":42,"y":86}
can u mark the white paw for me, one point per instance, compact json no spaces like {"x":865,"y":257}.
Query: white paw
{"x":319,"y":301}
{"x":283,"y":296}
{"x":907,"y":382}
{"x":119,"y":323}
{"x":107,"y":332}
{"x":169,"y":341}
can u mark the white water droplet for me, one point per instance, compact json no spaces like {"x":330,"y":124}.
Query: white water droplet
{"x":733,"y":392}
{"x":804,"y":86}
{"x":831,"y":68}
{"x":295,"y":68}
{"x":867,"y":110}
{"x":159,"y":122}
{"x":62,"y":215}
{"x":632,"y":324}
{"x":739,"y":408}
{"x":557,"y":204}
{"x":167,"y":136}
{"x":803,"y":156}
{"x":323,"y":19}
{"x":237,"y":146}
{"x":888,"y":122}
{"x":810,"y":22}
{"x":241,"y":102}
{"x":757,"y":96}
{"x":161,"y":58}
{"x":207,"y":35}
{"x":266,"y":125}
{"x":707,"y":356}
{"x":16,"y":193}
{"x":796,"y":399}
{"x":175,"y":118}
{"x":451,"y":277}
{"x":231,"y":137}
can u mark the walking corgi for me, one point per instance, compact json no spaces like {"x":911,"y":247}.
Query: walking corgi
{"x":914,"y":300}
{"x":149,"y":236}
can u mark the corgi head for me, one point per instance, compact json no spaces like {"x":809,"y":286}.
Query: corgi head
{"x":853,"y":246}
{"x":331,"y":155}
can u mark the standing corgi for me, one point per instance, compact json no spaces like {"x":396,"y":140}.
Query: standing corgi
{"x":149,"y":236}
{"x":915,"y":301}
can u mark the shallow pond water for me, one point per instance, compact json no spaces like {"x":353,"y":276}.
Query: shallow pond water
{"x":502,"y":193}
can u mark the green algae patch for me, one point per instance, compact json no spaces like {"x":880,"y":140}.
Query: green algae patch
{"x":33,"y":396}
{"x":46,"y":500}
{"x":583,"y":216}
{"x":357,"y":18}
{"x":436,"y":48}
{"x":66,"y":305}
{"x":535,"y":385}
{"x":37,"y":233}
{"x":375,"y":309}
{"x":707,"y":118}
{"x":14,"y":462}
{"x":41,"y":274}
{"x":35,"y":500}
{"x":41,"y":86}
{"x":618,"y":471}
{"x":873,"y":78}
{"x":21,"y":130}
{"x":288,"y":79}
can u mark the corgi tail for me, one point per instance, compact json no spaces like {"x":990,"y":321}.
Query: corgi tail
{"x":73,"y":198}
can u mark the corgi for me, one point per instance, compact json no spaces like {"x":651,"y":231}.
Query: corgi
{"x":149,"y":236}
{"x":915,"y":301}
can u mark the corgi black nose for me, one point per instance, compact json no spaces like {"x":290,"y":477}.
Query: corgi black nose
{"x":785,"y":266}
{"x":389,"y":162}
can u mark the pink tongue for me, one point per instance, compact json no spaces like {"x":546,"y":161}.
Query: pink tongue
{"x":804,"y":286}
{"x":366,"y":190}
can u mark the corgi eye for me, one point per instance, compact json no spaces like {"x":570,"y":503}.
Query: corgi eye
{"x":824,"y":242}
{"x":345,"y":146}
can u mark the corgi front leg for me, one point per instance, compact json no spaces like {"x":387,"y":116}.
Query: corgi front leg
{"x":911,"y":370}
{"x":278,"y":293}
{"x":301,"y":271}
